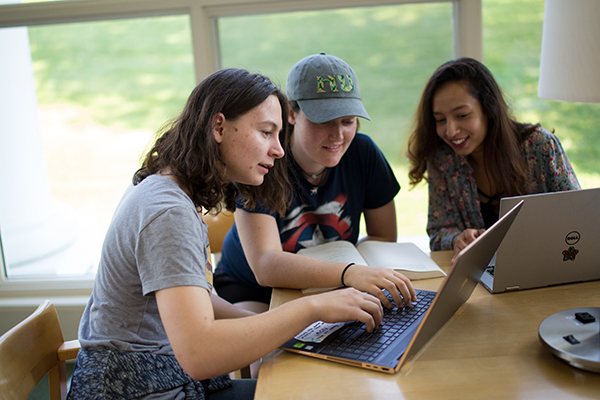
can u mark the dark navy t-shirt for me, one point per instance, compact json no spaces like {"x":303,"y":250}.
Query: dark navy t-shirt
{"x":362,"y":180}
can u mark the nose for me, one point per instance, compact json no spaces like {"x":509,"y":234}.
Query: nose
{"x":276,"y":150}
{"x":337,"y":131}
{"x":452,"y":128}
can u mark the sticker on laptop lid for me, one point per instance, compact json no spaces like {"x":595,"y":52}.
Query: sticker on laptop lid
{"x":570,"y":254}
{"x":318,"y":331}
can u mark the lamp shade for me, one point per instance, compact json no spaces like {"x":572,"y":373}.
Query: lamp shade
{"x":570,"y":59}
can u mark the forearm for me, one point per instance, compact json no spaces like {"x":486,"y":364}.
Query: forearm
{"x":224,"y":309}
{"x":229,"y":344}
{"x":274,"y":267}
{"x":290,"y":270}
{"x":304,"y":272}
{"x":208,"y":347}
{"x":442,"y":238}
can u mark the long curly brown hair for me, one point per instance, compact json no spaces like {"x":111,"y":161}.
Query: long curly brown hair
{"x":186,"y":145}
{"x":502,"y":156}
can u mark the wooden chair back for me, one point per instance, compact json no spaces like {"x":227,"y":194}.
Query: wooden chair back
{"x":218,"y":226}
{"x":33,"y":349}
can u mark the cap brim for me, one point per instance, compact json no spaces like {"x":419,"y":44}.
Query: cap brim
{"x":324,"y":110}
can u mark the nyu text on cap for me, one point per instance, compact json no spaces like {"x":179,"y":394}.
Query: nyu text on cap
{"x":326,"y":88}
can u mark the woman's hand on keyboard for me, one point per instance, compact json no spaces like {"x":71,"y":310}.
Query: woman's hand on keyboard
{"x":374,"y":279}
{"x":347,"y":305}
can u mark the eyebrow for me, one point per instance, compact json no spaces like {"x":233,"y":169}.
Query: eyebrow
{"x":454,"y":109}
{"x":271,"y":123}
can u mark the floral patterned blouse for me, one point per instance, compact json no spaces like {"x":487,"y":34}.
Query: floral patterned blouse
{"x":454,"y":204}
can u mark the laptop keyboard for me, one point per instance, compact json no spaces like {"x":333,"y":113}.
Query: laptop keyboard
{"x":356,"y":343}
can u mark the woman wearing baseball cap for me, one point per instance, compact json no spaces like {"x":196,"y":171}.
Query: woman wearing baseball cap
{"x":337,"y":175}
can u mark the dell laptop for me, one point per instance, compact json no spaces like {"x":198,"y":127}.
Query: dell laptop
{"x":554,"y":241}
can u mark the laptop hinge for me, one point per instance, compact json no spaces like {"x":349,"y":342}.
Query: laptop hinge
{"x":513,"y":288}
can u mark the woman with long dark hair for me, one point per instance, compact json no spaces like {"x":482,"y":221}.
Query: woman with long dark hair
{"x":472,"y":152}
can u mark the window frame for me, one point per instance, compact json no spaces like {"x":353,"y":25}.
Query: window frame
{"x":204,"y":14}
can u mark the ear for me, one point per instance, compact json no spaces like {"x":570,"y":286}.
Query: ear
{"x":218,"y":127}
{"x":291,"y":116}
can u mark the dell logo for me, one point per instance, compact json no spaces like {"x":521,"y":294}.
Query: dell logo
{"x":572,"y":238}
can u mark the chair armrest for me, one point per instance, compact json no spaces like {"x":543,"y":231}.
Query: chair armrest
{"x":68,"y":350}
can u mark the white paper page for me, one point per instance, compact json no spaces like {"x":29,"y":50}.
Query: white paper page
{"x":407,"y":256}
{"x":337,"y":251}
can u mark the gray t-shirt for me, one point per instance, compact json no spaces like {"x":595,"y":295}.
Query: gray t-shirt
{"x":156,"y":240}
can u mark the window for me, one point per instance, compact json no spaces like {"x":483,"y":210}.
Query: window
{"x":155,"y":50}
{"x":512,"y":37}
{"x":103,"y":88}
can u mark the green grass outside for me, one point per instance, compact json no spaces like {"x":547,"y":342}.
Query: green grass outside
{"x":136,"y":74}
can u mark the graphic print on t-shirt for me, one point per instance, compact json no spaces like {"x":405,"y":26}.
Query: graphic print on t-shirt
{"x":305,"y":227}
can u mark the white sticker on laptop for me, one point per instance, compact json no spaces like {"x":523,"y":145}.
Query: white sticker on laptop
{"x":318,"y":331}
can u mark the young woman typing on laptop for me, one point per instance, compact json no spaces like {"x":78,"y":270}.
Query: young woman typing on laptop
{"x":337,"y":176}
{"x":472,"y":152}
{"x":153,"y":328}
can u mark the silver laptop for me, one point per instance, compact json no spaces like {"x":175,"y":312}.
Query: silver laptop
{"x":554,"y":241}
{"x":405,"y":331}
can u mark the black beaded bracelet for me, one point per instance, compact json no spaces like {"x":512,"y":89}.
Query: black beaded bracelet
{"x":344,"y":273}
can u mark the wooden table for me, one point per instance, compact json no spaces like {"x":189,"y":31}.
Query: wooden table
{"x":488,"y":350}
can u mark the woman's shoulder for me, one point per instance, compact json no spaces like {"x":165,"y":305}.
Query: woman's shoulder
{"x":362,"y":139}
{"x":541,"y":138}
{"x":155,"y":195}
{"x":362,"y":147}
{"x":157,"y":188}
{"x":538,"y":134}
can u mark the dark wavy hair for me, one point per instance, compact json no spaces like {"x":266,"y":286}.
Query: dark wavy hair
{"x":188,"y":147}
{"x":503,"y":159}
